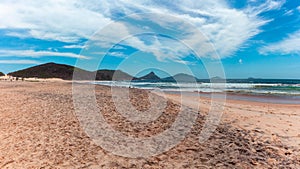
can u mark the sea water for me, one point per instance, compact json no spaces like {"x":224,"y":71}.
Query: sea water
{"x":258,"y":87}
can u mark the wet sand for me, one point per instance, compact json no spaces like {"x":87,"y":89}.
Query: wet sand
{"x":39,"y":129}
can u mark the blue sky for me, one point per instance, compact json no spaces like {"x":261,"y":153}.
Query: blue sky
{"x":248,"y":38}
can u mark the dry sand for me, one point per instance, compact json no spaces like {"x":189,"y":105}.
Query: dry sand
{"x":39,"y":130}
{"x":274,"y":121}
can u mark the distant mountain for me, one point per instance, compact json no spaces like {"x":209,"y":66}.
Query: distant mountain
{"x":217,"y":79}
{"x":2,"y":74}
{"x":149,"y":77}
{"x":54,"y":70}
{"x":181,"y":77}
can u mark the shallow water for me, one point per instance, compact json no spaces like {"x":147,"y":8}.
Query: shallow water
{"x":277,"y":99}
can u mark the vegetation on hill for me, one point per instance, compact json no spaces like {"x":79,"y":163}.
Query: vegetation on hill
{"x":112,"y":75}
{"x":53,"y":70}
{"x":48,"y":70}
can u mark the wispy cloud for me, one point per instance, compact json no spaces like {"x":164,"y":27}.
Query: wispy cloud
{"x":118,"y":47}
{"x":227,"y":28}
{"x":37,"y":54}
{"x":52,"y":20}
{"x":289,"y":45}
{"x":289,"y":12}
{"x":117,"y":54}
{"x":23,"y":62}
{"x":256,"y":9}
{"x":74,"y":46}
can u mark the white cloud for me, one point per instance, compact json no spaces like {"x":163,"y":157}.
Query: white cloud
{"x":74,"y":46}
{"x":289,"y":45}
{"x":117,"y":54}
{"x":61,"y":20}
{"x":289,"y":12}
{"x":110,"y":35}
{"x":228,"y":29}
{"x":118,"y":47}
{"x":37,"y":54}
{"x":19,"y":62}
{"x":161,"y":47}
{"x":68,"y":21}
{"x":268,"y":5}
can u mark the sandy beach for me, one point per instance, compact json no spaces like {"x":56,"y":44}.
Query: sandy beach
{"x":273,"y":121}
{"x":39,"y":129}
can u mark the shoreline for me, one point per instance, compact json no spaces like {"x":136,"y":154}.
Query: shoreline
{"x":238,"y":96}
{"x":258,"y":98}
{"x":280,"y":98}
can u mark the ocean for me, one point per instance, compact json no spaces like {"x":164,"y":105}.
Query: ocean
{"x":261,"y":90}
{"x":241,"y":86}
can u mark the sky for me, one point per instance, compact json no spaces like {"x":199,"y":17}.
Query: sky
{"x":231,"y":38}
